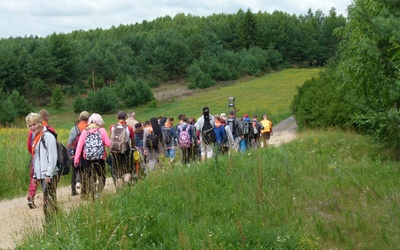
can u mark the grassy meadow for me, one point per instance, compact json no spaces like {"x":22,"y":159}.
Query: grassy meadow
{"x":325,"y":190}
{"x":271,"y":93}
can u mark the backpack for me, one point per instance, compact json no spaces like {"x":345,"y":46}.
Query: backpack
{"x":63,"y":158}
{"x":246,"y":126}
{"x":94,"y":146}
{"x":118,"y":140}
{"x":232,"y":123}
{"x":166,"y":135}
{"x":152,"y":140}
{"x":78,"y":135}
{"x":207,"y":132}
{"x":184,"y":137}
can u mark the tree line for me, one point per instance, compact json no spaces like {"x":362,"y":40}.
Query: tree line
{"x":359,"y":89}
{"x":200,"y":51}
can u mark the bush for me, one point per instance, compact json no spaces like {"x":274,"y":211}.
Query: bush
{"x":198,"y":79}
{"x":318,"y":104}
{"x":8,"y":113}
{"x":57,"y":98}
{"x":79,"y":104}
{"x":103,"y":101}
{"x":21,"y":105}
{"x":133,"y":93}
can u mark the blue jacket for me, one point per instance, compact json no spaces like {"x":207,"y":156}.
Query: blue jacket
{"x":220,"y":134}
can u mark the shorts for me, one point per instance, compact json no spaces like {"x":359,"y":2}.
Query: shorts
{"x":266,"y":135}
{"x":206,"y":150}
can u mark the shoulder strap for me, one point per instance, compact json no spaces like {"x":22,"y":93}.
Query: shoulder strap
{"x":42,"y":139}
{"x":77,"y":130}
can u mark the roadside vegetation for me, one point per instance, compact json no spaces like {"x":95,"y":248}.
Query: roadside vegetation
{"x":324,"y":190}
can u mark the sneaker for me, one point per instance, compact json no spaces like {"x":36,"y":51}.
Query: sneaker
{"x":78,"y":185}
{"x":74,"y":193}
{"x":31,"y":204}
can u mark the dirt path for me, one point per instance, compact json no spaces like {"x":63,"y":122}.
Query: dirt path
{"x":16,"y":216}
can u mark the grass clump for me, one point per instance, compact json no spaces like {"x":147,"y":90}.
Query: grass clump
{"x":325,"y":190}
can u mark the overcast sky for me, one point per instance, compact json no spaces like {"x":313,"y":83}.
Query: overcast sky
{"x":44,"y":17}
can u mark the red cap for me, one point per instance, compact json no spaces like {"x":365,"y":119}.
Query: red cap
{"x":246,"y":115}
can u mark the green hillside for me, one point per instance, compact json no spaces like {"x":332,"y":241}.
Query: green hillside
{"x":271,"y":93}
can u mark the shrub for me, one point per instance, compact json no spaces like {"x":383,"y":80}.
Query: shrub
{"x":102,"y":101}
{"x":8,"y":113}
{"x":79,"y":104}
{"x":198,"y":79}
{"x":133,"y":93}
{"x":57,"y":98}
{"x":21,"y":105}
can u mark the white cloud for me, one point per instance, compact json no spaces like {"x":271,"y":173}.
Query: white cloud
{"x":43,"y":17}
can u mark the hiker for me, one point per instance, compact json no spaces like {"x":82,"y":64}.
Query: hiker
{"x":170,"y":137}
{"x":32,"y":183}
{"x":266,"y":132}
{"x":139,"y":130}
{"x":152,"y":144}
{"x":91,"y":147}
{"x":122,"y":138}
{"x":43,"y":162}
{"x":186,"y":141}
{"x":73,"y":139}
{"x":229,"y":141}
{"x":245,"y":143}
{"x":194,"y":152}
{"x":131,"y":120}
{"x":255,"y":132}
{"x":235,"y":127}
{"x":206,"y":144}
{"x":220,"y":133}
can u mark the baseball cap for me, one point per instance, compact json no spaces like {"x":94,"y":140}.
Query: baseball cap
{"x":84,"y":115}
{"x":245,"y":115}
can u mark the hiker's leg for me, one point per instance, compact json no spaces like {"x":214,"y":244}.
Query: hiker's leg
{"x":100,"y":171}
{"x":73,"y":180}
{"x":32,"y":184}
{"x":50,"y":198}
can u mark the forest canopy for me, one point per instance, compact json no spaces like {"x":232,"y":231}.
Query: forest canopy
{"x":200,"y":51}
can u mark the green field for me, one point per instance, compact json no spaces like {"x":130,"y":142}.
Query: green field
{"x":271,"y":93}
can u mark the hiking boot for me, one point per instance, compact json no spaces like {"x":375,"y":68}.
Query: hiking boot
{"x":31,"y":204}
{"x":78,"y":185}
{"x":74,"y":193}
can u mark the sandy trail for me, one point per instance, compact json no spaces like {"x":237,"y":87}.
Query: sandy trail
{"x":16,"y":216}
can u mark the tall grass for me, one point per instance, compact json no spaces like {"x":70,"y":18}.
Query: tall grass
{"x":325,"y":190}
{"x":14,"y":161}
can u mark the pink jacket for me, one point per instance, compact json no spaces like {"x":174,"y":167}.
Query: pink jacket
{"x":81,"y":142}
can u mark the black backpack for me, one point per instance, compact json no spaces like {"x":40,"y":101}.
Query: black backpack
{"x":234,"y":125}
{"x":166,"y":135}
{"x":63,"y":157}
{"x":207,"y":132}
{"x":152,"y":141}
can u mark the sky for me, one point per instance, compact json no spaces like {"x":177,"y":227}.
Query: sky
{"x":20,"y":18}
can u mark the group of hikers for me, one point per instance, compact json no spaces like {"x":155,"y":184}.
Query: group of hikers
{"x":134,"y":148}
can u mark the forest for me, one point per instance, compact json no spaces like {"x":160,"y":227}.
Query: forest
{"x":122,"y":64}
{"x":359,"y":89}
